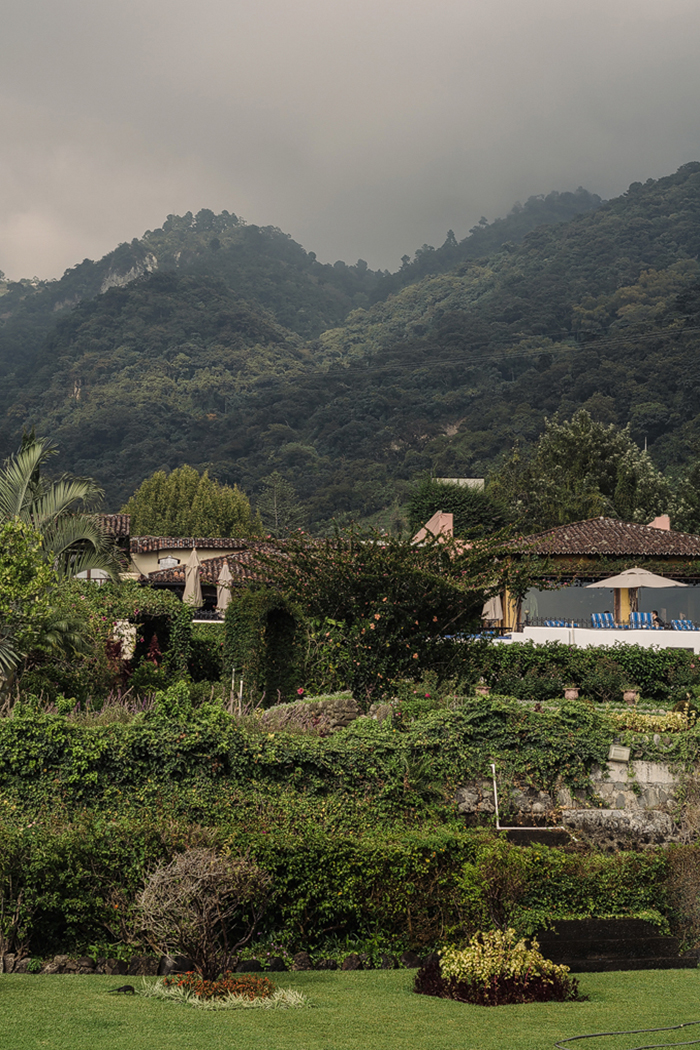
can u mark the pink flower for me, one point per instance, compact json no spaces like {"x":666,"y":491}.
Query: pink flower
{"x":300,"y":692}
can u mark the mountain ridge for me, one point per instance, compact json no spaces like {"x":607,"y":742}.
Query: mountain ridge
{"x":238,"y":364}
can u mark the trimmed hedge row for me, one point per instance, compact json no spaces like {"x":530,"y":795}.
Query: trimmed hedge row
{"x":77,"y":882}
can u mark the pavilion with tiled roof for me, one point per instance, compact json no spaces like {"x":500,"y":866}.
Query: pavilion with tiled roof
{"x":585,"y":551}
{"x":598,"y":538}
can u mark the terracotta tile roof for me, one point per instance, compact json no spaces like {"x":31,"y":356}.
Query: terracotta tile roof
{"x":115,"y":524}
{"x":243,"y":565}
{"x":607,"y":536}
{"x":146,"y":544}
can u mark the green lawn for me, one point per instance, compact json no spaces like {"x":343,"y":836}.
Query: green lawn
{"x":351,"y":1011}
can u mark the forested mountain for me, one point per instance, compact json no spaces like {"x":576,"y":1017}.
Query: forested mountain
{"x":230,"y":347}
{"x":486,"y":238}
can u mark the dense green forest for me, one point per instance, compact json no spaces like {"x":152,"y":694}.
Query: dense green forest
{"x":231,"y":348}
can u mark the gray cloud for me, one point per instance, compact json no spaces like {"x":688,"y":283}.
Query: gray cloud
{"x":362,"y":128}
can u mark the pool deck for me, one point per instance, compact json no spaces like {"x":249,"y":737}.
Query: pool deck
{"x":606,"y":637}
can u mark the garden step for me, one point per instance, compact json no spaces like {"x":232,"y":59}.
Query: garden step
{"x":668,"y":962}
{"x":558,"y":949}
{"x":596,"y":945}
{"x":609,"y":928}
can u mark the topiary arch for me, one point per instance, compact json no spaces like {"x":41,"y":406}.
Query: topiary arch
{"x":264,"y":642}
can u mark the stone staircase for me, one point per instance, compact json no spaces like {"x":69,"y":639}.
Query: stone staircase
{"x":597,"y":945}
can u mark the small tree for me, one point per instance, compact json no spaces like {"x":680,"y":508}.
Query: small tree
{"x":394,"y":605}
{"x":204,"y":906}
{"x":279,"y":506}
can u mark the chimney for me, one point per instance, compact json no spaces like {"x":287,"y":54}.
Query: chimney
{"x":662,"y":522}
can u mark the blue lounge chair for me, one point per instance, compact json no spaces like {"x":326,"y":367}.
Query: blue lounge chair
{"x":604,"y":619}
{"x":643,"y":621}
{"x":684,"y":625}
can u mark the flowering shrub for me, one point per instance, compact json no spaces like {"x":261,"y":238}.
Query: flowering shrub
{"x":494,"y":969}
{"x":246,"y":984}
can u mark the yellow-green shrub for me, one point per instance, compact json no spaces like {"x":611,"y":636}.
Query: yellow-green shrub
{"x":498,"y":954}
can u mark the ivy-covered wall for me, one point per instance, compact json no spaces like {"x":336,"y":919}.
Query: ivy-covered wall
{"x":95,"y":667}
{"x":264,"y":642}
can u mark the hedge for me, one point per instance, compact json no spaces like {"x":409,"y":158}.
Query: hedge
{"x":539,"y":672}
{"x":78,"y":883}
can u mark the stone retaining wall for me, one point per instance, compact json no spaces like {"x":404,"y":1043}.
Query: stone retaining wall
{"x":638,"y":804}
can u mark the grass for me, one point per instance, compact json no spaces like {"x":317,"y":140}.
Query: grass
{"x":351,"y":1011}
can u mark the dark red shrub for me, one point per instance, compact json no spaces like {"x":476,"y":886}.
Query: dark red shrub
{"x":249,"y":985}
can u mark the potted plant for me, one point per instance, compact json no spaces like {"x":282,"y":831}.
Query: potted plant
{"x":481,"y":688}
{"x":630,"y":693}
{"x":571,"y":691}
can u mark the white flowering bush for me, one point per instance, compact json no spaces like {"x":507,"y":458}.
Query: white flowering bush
{"x":496,"y":968}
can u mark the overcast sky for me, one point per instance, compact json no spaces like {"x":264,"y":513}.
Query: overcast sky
{"x":364,"y":128}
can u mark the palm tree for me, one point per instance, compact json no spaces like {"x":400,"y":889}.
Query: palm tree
{"x":62,"y":511}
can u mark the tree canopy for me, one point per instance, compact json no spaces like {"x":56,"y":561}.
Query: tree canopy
{"x":581,"y":469}
{"x":476,"y":512}
{"x":187,"y":503}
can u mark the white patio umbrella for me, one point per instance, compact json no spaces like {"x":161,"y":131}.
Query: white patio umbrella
{"x":633,"y":578}
{"x":223,"y":588}
{"x":193,"y":584}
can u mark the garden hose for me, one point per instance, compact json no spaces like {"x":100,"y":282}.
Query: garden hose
{"x":636,"y":1031}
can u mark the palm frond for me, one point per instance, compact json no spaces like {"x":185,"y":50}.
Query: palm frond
{"x":66,"y":635}
{"x":19,"y":479}
{"x":9,"y":656}
{"x":61,"y":498}
{"x":77,"y":542}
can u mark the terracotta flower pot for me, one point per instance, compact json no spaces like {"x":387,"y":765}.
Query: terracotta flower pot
{"x":571,"y":692}
{"x":482,"y":690}
{"x":630,"y":696}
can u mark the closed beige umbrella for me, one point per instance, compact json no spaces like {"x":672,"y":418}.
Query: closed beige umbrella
{"x":223,"y":588}
{"x":193,"y":584}
{"x":493,"y":609}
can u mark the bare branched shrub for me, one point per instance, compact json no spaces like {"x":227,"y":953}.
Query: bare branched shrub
{"x":204,"y":906}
